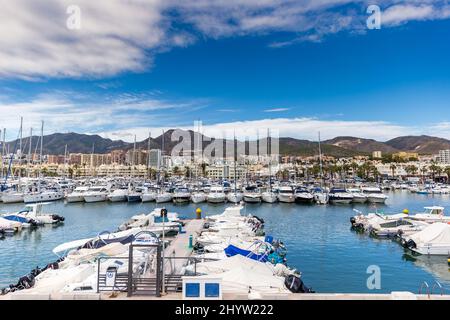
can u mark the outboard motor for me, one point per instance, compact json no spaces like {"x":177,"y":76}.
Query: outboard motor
{"x":58,"y":218}
{"x":352,"y":220}
{"x":410,"y":244}
{"x":296,"y":285}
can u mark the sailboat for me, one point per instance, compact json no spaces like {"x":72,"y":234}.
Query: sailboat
{"x":320,"y":196}
{"x":47,"y":194}
{"x":235,"y":195}
{"x":269,"y":196}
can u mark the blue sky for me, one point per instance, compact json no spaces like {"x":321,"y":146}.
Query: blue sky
{"x":297,"y":68}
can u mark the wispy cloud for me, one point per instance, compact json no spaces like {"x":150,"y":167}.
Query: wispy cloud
{"x":277,"y":110}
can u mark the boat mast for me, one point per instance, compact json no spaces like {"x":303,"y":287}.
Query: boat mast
{"x":65,"y":161}
{"x":40,"y":156}
{"x":148,"y":154}
{"x":20,"y":148}
{"x":29,"y":152}
{"x":3,"y":150}
{"x":320,"y":163}
{"x":235,"y":161}
{"x":269,"y":151}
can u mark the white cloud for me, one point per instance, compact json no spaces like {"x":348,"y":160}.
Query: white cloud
{"x":118,"y":36}
{"x":277,"y":110}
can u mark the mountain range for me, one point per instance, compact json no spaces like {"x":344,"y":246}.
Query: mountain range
{"x":337,"y":147}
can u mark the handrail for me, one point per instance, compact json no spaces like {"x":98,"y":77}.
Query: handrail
{"x":437,"y":284}
{"x":424,"y":284}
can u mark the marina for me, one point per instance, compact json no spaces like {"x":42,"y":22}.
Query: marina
{"x":331,"y":258}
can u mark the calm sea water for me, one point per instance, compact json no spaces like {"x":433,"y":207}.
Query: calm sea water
{"x":320,"y":243}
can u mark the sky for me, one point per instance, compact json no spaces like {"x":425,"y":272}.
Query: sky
{"x":122,"y":68}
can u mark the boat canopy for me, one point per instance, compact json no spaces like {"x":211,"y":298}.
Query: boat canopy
{"x":436,"y":233}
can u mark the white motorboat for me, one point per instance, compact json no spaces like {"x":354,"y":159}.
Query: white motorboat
{"x":358,"y":196}
{"x":118,"y":195}
{"x":198,"y":197}
{"x":340,"y":196}
{"x":269,"y":197}
{"x":35,"y":211}
{"x":252,"y":194}
{"x":433,"y":240}
{"x":216,"y":195}
{"x":320,"y":196}
{"x":96,"y":194}
{"x":235,"y":196}
{"x":77,"y":195}
{"x":286,"y":194}
{"x":302,"y":195}
{"x":47,"y":195}
{"x":432,"y":214}
{"x":374,"y":195}
{"x":181,"y":195}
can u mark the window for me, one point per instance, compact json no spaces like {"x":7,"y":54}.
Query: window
{"x":212,"y":290}
{"x":192,"y":290}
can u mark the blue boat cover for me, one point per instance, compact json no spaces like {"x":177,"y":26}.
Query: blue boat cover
{"x":231,"y":251}
{"x":16,"y":218}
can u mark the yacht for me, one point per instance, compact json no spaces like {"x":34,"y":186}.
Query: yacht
{"x":235,"y":196}
{"x":302,"y":195}
{"x":374,"y":195}
{"x":134,"y":195}
{"x":77,"y":195}
{"x":358,"y":196}
{"x":433,"y":240}
{"x":198,"y":197}
{"x":181,"y":195}
{"x":286,"y":194}
{"x":149,"y":195}
{"x":432,"y":214}
{"x":46,"y":195}
{"x":12,"y":197}
{"x":118,"y":195}
{"x":163,"y":196}
{"x":96,"y":194}
{"x":216,"y":195}
{"x":252,"y":194}
{"x":320,"y":196}
{"x":269,"y":196}
{"x":340,"y":196}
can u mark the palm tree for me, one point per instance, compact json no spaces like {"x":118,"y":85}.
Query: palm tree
{"x":447,"y":172}
{"x":411,"y":170}
{"x":393,"y":167}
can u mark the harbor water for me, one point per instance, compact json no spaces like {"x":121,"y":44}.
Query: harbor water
{"x":331,"y":257}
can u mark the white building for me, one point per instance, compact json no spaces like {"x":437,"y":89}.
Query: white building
{"x":155,"y":158}
{"x":444,"y":157}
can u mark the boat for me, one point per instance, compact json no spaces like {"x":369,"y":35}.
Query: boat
{"x":163,"y":197}
{"x":235,"y":196}
{"x":340,"y":196}
{"x":216,"y":195}
{"x":320,"y":196}
{"x":118,"y":195}
{"x":181,"y":195}
{"x":286,"y":194}
{"x":374,"y":195}
{"x":36,"y":213}
{"x":302,"y":195}
{"x":96,"y":194}
{"x":269,"y":197}
{"x":12,"y":197}
{"x":432,"y":214}
{"x":433,"y":240}
{"x":46,"y":195}
{"x":358,"y":196}
{"x":252,"y":194}
{"x":149,"y":195}
{"x":198,"y":197}
{"x":134,"y":196}
{"x":77,"y":195}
